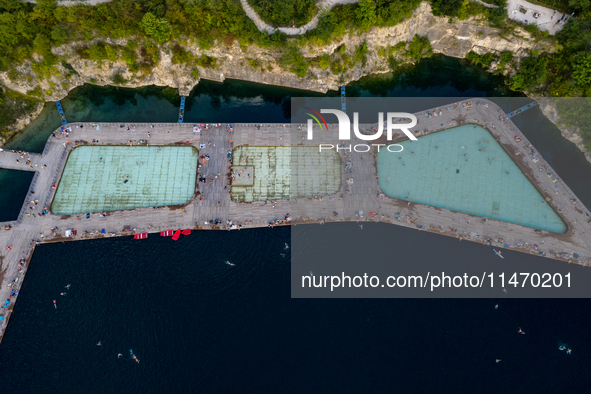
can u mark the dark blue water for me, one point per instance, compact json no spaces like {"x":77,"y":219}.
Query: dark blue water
{"x":13,"y":190}
{"x":200,"y":325}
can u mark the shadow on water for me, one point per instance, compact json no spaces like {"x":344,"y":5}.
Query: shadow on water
{"x":438,"y":76}
{"x":210,"y":102}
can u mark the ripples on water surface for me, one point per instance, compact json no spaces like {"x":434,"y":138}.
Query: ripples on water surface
{"x":200,"y":325}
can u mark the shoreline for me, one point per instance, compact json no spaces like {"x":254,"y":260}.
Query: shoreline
{"x":21,"y":124}
{"x":455,"y":40}
{"x":232,"y":61}
{"x":345,"y":205}
{"x":549,"y":109}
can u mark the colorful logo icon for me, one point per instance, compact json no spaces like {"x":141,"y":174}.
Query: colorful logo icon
{"x":316,"y":119}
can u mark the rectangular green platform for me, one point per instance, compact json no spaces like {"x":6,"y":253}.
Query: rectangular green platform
{"x":111,"y":178}
{"x":284,"y":172}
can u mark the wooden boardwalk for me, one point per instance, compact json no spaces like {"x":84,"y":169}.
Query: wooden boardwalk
{"x":363,"y":195}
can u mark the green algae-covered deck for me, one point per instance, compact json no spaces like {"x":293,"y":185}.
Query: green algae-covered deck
{"x":110,"y":178}
{"x":284,"y":172}
{"x":464,"y":169}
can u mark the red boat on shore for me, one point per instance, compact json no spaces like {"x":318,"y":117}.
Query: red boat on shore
{"x":167,"y":233}
{"x":176,"y":235}
{"x":140,"y":236}
{"x":186,"y":231}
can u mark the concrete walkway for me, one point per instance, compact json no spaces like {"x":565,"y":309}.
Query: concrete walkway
{"x":549,"y":20}
{"x":323,"y":6}
{"x":20,"y":161}
{"x":363,"y":195}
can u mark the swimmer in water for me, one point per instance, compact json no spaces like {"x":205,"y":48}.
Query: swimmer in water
{"x":119,"y":355}
{"x":99,"y":344}
{"x":520,"y":331}
{"x":569,"y":351}
{"x":498,"y":360}
{"x":286,"y":246}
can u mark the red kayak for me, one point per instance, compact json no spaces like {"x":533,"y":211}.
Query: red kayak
{"x":167,"y":233}
{"x":186,"y":231}
{"x":141,"y":236}
{"x":176,"y":235}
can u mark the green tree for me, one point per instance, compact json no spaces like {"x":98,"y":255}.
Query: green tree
{"x":96,"y":52}
{"x":13,"y":105}
{"x":533,"y":71}
{"x":419,"y":48}
{"x":582,"y":70}
{"x":278,"y":12}
{"x":8,"y":35}
{"x":391,"y":12}
{"x":324,"y":61}
{"x":157,"y":28}
{"x":59,"y":35}
{"x":580,"y":5}
{"x":293,"y":59}
{"x":118,"y":79}
{"x":42,"y":45}
{"x":497,"y":16}
{"x":446,"y":7}
{"x":112,"y":52}
{"x":366,"y":14}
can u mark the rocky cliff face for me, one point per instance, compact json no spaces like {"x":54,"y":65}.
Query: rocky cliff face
{"x":21,"y":123}
{"x":548,"y":107}
{"x":452,"y":39}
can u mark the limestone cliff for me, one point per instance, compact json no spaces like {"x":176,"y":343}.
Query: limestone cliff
{"x":451,"y":39}
{"x":548,"y":107}
{"x":260,"y":65}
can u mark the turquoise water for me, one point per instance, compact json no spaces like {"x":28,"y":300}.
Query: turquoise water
{"x":210,"y":102}
{"x":109,"y":178}
{"x":464,"y":169}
